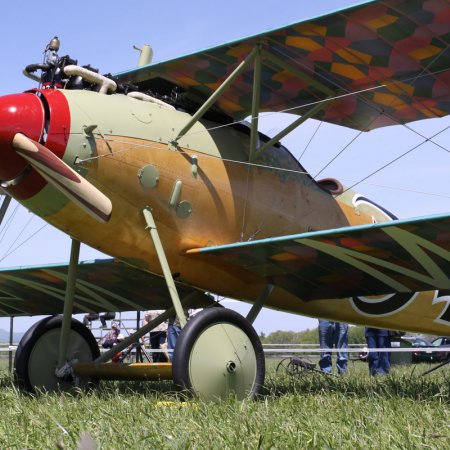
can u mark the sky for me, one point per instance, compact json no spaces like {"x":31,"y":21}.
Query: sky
{"x":103,"y":34}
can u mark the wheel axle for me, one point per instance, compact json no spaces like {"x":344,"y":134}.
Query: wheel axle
{"x":231,"y":366}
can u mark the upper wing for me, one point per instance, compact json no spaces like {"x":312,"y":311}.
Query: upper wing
{"x":399,"y":256}
{"x":102,"y":285}
{"x":393,"y":52}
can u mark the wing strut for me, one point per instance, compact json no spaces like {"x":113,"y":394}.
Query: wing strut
{"x":178,"y":305}
{"x":256,"y":100}
{"x":257,"y":306}
{"x":215,"y":95}
{"x":311,"y":113}
{"x":258,"y":56}
{"x":106,"y":356}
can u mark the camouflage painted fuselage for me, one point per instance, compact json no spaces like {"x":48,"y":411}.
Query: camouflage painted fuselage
{"x":203,"y":192}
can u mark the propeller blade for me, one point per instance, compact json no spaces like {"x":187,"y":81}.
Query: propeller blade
{"x":64,"y":178}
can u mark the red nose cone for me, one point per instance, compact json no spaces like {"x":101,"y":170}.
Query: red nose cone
{"x":19,"y":113}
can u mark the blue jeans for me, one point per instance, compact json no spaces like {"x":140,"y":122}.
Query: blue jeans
{"x":157,"y":339}
{"x":379,"y":362}
{"x":333,"y":334}
{"x":173,"y":332}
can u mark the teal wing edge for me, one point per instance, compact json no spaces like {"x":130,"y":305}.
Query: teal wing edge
{"x":400,"y":256}
{"x":102,"y":285}
{"x":393,"y":53}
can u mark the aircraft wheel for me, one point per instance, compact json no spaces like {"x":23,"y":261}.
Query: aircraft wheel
{"x":37,"y":356}
{"x":219,"y":354}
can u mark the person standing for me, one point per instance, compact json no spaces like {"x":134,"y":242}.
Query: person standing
{"x":173,"y":331}
{"x":158,"y":334}
{"x":333,"y":334}
{"x":379,"y":362}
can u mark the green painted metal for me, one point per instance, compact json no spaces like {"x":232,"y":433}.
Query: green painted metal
{"x":175,"y":194}
{"x":292,"y":127}
{"x":194,"y":165}
{"x":106,"y":356}
{"x":4,"y":207}
{"x":44,"y":355}
{"x":185,"y":303}
{"x":122,"y":116}
{"x":215,"y":95}
{"x":146,"y":55}
{"x":149,"y":176}
{"x":116,"y":115}
{"x":11,"y":343}
{"x":256,"y":97}
{"x":151,"y":226}
{"x":47,"y":202}
{"x":89,"y":129}
{"x":222,"y":363}
{"x":183,"y":209}
{"x":68,"y":301}
{"x":257,"y":306}
{"x":218,"y":143}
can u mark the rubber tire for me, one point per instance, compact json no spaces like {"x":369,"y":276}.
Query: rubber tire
{"x":30,"y":341}
{"x":186,"y":345}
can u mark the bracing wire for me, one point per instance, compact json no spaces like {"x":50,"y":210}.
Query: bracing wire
{"x":362,"y":91}
{"x":5,"y":227}
{"x":134,"y":147}
{"x":295,"y":108}
{"x":11,"y":251}
{"x":10,"y":219}
{"x":363,"y":180}
{"x":343,"y":149}
{"x":411,"y":81}
{"x":20,"y":233}
{"x":395,"y":159}
{"x":309,"y":142}
{"x":396,"y":188}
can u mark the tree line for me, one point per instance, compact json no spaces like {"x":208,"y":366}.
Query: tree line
{"x":355,"y":336}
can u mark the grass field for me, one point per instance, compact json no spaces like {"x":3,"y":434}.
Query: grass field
{"x":401,"y":411}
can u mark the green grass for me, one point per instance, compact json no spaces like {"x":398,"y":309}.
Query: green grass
{"x":401,"y":411}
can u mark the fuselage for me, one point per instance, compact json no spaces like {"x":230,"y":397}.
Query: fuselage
{"x":203,"y":190}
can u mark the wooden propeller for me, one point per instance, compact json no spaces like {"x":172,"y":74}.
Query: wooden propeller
{"x":64,"y":178}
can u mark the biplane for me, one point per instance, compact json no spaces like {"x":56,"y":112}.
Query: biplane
{"x":158,"y":167}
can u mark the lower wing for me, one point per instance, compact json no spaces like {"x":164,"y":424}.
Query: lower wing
{"x":102,"y":285}
{"x":400,"y":256}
